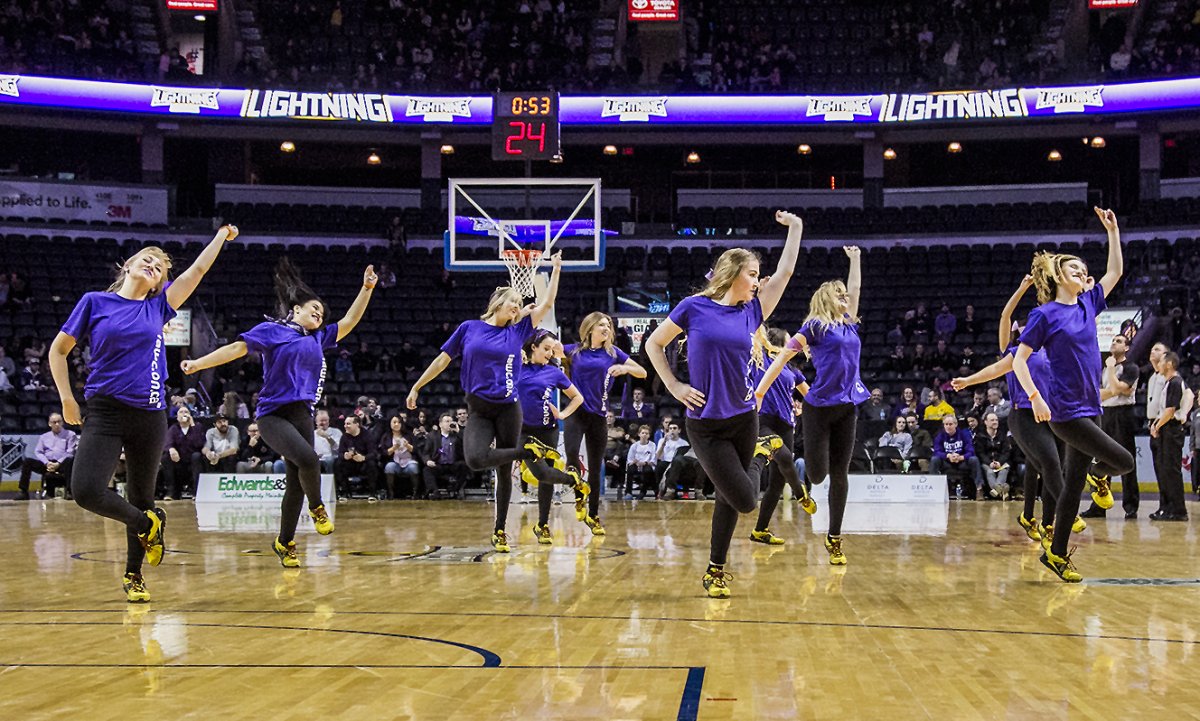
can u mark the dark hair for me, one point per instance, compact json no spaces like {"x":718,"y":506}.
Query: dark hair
{"x":291,"y":290}
{"x":444,"y":414}
{"x":539,"y":336}
{"x":1171,"y":357}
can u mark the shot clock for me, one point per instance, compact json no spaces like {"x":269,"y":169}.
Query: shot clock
{"x":525,"y":126}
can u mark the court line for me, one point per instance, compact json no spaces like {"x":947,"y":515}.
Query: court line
{"x":762,"y":622}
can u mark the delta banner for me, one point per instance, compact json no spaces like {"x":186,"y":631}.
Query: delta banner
{"x":653,"y":10}
{"x":959,"y":107}
{"x":66,"y":201}
{"x":193,"y":6}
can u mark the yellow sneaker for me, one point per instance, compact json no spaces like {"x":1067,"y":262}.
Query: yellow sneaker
{"x":581,"y":486}
{"x":716,"y":582}
{"x":1062,"y":566}
{"x":286,"y":553}
{"x":834,"y":546}
{"x":527,"y":475}
{"x":1031,"y":527}
{"x":135,"y":588}
{"x":542,"y":534}
{"x":580,"y":508}
{"x":807,"y":503}
{"x":321,"y":520}
{"x":766,"y":537}
{"x":500,"y":542}
{"x":594,"y":524}
{"x":767,"y":445}
{"x":1080,"y":525}
{"x":1047,"y":537}
{"x":152,"y":540}
{"x":541,"y":450}
{"x":1102,"y":496}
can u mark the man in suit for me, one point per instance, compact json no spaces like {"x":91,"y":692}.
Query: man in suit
{"x":444,"y":459}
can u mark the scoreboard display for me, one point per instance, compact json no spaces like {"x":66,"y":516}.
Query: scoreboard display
{"x":525,"y":126}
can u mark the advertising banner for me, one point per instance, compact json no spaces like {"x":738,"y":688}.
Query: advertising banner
{"x":1111,"y":4}
{"x":61,"y":202}
{"x":178,"y":330}
{"x":641,"y":11}
{"x":193,"y":6}
{"x":889,"y":488}
{"x":246,"y":487}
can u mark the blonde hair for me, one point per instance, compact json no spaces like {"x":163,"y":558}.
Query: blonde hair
{"x":824,"y":308}
{"x":499,"y":297}
{"x":123,"y":269}
{"x":763,"y":348}
{"x":590,"y":321}
{"x":729,"y":266}
{"x":1047,"y":273}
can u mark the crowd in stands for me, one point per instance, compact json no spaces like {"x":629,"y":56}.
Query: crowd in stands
{"x":1168,"y":49}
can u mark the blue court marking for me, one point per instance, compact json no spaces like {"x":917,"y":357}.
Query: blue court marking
{"x":689,"y":705}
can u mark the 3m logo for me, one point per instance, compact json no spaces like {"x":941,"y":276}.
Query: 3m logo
{"x":119,"y":211}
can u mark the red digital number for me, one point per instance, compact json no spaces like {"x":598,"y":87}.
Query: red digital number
{"x":508,"y":148}
{"x":540,"y":138}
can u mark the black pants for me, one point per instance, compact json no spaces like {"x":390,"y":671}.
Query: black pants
{"x":499,"y":422}
{"x":288,"y":430}
{"x":1042,"y":458}
{"x":1121,"y":425}
{"x":59,"y":477}
{"x":1170,"y":469}
{"x":725,"y":448}
{"x":1085,"y":442}
{"x":828,"y":447}
{"x":590,"y":430}
{"x":344,"y":469}
{"x":782,"y":469}
{"x":645,"y":478}
{"x":454,"y":475}
{"x":110,"y":426}
{"x":180,"y":476}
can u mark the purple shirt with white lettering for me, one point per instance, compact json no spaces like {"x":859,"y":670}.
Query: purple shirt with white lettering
{"x":835,"y":351}
{"x":778,"y":399}
{"x":718,"y":353}
{"x":129,"y":357}
{"x":589,"y":373}
{"x":293,"y":363}
{"x":1039,"y":368}
{"x":1068,"y":334}
{"x":536,"y":389}
{"x":491,"y":357}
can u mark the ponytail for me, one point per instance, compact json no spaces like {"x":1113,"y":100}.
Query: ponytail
{"x":291,"y":290}
{"x":1046,"y":272}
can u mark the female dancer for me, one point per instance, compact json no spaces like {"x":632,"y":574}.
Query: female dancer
{"x":830,"y":336}
{"x":539,"y":379}
{"x":722,"y":421}
{"x":776,"y":417}
{"x":593,"y":363}
{"x":126,"y":395}
{"x":1065,"y":326}
{"x":491,"y":367}
{"x":293,"y":350}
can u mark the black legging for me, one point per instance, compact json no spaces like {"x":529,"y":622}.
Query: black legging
{"x":828,"y":447}
{"x":725,"y":448}
{"x":111,"y":425}
{"x":499,"y":422}
{"x":1042,"y":458}
{"x":782,"y":469}
{"x":289,"y":431}
{"x":1085,"y":441}
{"x":592,"y":431}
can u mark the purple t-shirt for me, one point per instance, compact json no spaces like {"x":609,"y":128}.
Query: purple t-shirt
{"x":1068,"y":334}
{"x":293,"y":363}
{"x":778,"y":399}
{"x":491,"y":357}
{"x":835,"y":353}
{"x":589,"y":373}
{"x":129,"y":358}
{"x":1039,"y":368}
{"x":719,"y":341}
{"x":536,"y":390}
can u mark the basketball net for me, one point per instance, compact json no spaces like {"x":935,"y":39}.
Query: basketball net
{"x":522,"y":266}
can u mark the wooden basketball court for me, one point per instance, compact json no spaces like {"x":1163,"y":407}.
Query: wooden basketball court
{"x":404,"y":613}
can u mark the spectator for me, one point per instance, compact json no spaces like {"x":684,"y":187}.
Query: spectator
{"x":31,"y":376}
{"x":615,"y":450}
{"x":945,"y":325}
{"x":668,"y":446}
{"x":900,"y":439}
{"x":998,"y":404}
{"x":7,"y":367}
{"x":408,"y":360}
{"x":898,"y":361}
{"x":640,"y":466}
{"x":909,"y":404}
{"x":444,"y":460}
{"x":1167,"y":429}
{"x":968,"y":326}
{"x":343,"y":366}
{"x":20,"y":297}
{"x":184,"y":456}
{"x":638,"y":409}
{"x":896,"y":336}
{"x":52,"y":458}
{"x":994,"y":448}
{"x":922,"y":442}
{"x":5,"y":384}
{"x":919,"y":325}
{"x":233,"y":407}
{"x":356,"y":457}
{"x":919,"y":360}
{"x":221,"y":445}
{"x":364,"y":359}
{"x":938,"y":408}
{"x":875,"y":410}
{"x":978,"y":404}
{"x":968,"y":361}
{"x":954,"y":455}
{"x":941,"y":358}
{"x":1119,"y":61}
{"x":397,"y":453}
{"x":255,"y":456}
{"x":387,"y":277}
{"x":326,"y":441}
{"x":663,"y":429}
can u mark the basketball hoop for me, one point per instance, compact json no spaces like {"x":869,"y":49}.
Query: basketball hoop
{"x":522,"y":266}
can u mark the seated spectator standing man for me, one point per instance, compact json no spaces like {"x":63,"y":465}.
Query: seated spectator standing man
{"x":1168,"y":429}
{"x":938,"y":408}
{"x":1117,"y":394}
{"x":874,"y":415}
{"x":356,"y":457}
{"x":922,"y":442}
{"x":52,"y":458}
{"x":998,"y":404}
{"x":640,"y":465}
{"x":668,"y":446}
{"x":945,"y":324}
{"x":326,"y":440}
{"x":184,"y":455}
{"x":954,"y":455}
{"x":444,"y":458}
{"x":638,"y":409}
{"x":221,"y":445}
{"x":255,"y":456}
{"x":994,"y":448}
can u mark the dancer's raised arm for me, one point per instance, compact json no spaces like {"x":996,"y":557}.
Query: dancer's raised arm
{"x":355,"y":312}
{"x":1116,"y":260}
{"x":1009,"y":308}
{"x":854,"y":279}
{"x":546,"y":303}
{"x":772,"y":290}
{"x":219,"y":357}
{"x":434,"y":370}
{"x":183,"y":287}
